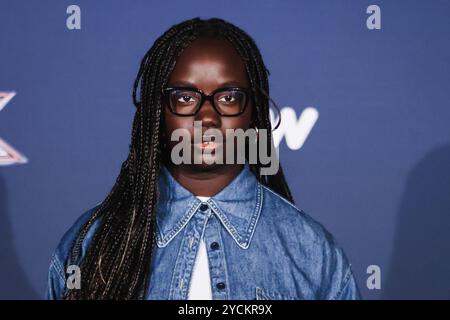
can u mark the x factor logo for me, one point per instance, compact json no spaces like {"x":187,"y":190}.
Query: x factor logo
{"x":8,"y":155}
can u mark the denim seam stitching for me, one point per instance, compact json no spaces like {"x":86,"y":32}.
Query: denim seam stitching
{"x":59,"y":270}
{"x":345,"y":283}
{"x":172,"y":285}
{"x":279,"y":196}
{"x":244,"y":243}
{"x":180,"y":225}
{"x":224,"y":260}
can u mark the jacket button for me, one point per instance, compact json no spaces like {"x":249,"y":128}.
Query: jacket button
{"x":220,"y":286}
{"x":204,"y":207}
{"x":214,"y":246}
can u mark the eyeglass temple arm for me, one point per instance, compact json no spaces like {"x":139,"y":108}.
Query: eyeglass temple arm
{"x":276,"y":107}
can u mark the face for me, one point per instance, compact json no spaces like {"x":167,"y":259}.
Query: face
{"x":207,"y":64}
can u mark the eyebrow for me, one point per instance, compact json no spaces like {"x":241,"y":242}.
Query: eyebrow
{"x":189,"y":84}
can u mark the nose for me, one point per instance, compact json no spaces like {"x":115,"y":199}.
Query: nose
{"x":208,"y":116}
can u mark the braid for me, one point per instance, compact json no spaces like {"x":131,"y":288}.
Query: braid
{"x":117,"y":263}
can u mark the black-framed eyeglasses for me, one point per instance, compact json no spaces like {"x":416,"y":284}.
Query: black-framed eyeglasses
{"x":187,"y":101}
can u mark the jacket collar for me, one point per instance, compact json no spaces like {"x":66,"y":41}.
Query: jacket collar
{"x":237,"y":206}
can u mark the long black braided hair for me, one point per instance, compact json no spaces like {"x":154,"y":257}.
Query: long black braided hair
{"x":117,"y":263}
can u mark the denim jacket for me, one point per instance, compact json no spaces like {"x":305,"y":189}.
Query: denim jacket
{"x":259,"y":246}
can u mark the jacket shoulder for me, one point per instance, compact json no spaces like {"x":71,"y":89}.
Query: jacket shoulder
{"x":56,"y":273}
{"x":328,"y":266}
{"x":293,"y":219}
{"x":68,"y":240}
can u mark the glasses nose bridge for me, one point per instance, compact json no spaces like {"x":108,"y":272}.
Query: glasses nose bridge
{"x":210,"y":98}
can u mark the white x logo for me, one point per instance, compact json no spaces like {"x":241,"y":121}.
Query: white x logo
{"x":8,"y":155}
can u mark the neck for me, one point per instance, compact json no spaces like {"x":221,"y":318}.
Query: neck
{"x":204,"y":181}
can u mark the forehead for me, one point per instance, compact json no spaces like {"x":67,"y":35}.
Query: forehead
{"x":208,"y":63}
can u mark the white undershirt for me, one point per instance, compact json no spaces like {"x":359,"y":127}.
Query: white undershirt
{"x":200,"y":287}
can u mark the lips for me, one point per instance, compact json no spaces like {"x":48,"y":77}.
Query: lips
{"x":207,"y":143}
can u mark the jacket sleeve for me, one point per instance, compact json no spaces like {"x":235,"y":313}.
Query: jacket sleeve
{"x":56,"y":279}
{"x":349,"y":289}
{"x":339,"y":280}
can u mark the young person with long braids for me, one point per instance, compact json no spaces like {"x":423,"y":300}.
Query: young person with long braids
{"x":199,"y":230}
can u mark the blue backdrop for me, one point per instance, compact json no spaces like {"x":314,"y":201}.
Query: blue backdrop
{"x":375,"y":168}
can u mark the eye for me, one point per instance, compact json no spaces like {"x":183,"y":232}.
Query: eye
{"x":185,"y":97}
{"x":228,"y":98}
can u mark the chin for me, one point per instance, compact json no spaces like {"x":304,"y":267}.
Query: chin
{"x":206,"y":166}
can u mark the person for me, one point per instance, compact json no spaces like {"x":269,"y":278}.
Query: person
{"x":199,"y":230}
